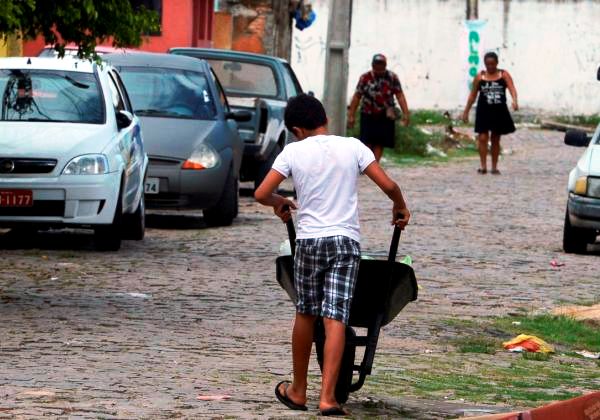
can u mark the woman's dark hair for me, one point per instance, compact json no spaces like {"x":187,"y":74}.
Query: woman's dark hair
{"x":490,"y":55}
{"x":304,"y":111}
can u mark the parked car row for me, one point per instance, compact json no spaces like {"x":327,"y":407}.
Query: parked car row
{"x":90,"y":146}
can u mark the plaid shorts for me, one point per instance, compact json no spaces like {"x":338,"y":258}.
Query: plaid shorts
{"x":325,"y":272}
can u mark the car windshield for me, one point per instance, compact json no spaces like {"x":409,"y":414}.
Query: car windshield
{"x":245,"y":79}
{"x":170,"y":93}
{"x":50,"y":96}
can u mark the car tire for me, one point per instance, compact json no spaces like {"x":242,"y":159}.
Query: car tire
{"x":134,"y":224}
{"x":226,"y":209}
{"x":108,"y":237}
{"x":265,"y":166}
{"x":575,"y":239}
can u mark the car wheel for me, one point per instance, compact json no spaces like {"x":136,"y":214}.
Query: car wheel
{"x":108,"y":237}
{"x":575,"y":239}
{"x":265,"y":166}
{"x":223,"y":213}
{"x":134,"y":224}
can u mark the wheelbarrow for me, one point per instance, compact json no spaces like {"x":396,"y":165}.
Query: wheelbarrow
{"x":383,"y":289}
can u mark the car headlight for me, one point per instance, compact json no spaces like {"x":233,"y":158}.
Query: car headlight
{"x":593,"y":187}
{"x":581,"y":186}
{"x":87,"y":165}
{"x":204,"y":157}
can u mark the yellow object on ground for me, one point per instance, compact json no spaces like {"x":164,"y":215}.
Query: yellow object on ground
{"x":530,"y":343}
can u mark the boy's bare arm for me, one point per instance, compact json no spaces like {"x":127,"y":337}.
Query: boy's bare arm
{"x":392,"y":190}
{"x":265,"y":195}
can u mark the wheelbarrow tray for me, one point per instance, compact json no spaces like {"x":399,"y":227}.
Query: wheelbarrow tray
{"x":381,"y":288}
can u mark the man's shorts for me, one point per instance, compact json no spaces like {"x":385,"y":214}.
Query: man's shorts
{"x":325,"y":272}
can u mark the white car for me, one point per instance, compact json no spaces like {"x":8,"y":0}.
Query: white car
{"x":71,"y":150}
{"x":582,"y":220}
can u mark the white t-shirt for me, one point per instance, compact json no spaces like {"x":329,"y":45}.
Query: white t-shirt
{"x":325,"y":172}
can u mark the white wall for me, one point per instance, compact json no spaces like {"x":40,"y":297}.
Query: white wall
{"x":552,"y":49}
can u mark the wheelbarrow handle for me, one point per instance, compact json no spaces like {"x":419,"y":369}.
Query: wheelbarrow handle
{"x":291,"y":232}
{"x":394,"y":244}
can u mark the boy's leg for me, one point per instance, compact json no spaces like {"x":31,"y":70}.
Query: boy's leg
{"x":335,"y":341}
{"x":302,"y":339}
{"x":340,"y":280}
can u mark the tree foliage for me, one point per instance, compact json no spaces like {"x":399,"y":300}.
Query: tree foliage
{"x":83,"y":22}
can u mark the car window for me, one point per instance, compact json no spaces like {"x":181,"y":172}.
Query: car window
{"x":291,"y":82}
{"x":168,"y":93}
{"x":222,"y":96}
{"x":123,"y":91}
{"x":245,"y":79}
{"x":50,"y":95}
{"x":115,"y":94}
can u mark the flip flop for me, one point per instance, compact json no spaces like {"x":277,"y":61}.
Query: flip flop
{"x":334,"y":411}
{"x":285,"y":400}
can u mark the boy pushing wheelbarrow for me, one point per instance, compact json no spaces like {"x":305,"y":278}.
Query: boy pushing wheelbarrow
{"x":325,"y":170}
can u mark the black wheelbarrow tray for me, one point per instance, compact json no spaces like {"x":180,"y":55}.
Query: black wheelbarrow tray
{"x":383,"y":289}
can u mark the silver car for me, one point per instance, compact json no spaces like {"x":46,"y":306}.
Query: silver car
{"x":190,"y":133}
{"x":71,"y":150}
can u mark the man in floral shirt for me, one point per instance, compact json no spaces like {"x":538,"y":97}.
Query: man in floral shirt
{"x":375,"y":93}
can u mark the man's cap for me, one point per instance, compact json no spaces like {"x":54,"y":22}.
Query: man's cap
{"x":379,"y":59}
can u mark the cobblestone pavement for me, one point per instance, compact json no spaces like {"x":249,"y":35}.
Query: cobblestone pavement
{"x":193,"y":311}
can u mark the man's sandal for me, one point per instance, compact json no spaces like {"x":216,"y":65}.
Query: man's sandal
{"x":334,"y":411}
{"x":284,"y":399}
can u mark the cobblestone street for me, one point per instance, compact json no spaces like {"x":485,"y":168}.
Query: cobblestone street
{"x":193,"y":311}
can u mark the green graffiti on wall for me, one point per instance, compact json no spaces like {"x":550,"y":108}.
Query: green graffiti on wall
{"x":474,"y":40}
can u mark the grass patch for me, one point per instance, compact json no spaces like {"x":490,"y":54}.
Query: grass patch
{"x":481,"y":371}
{"x":411,"y":142}
{"x":556,"y":330}
{"x":538,"y":357}
{"x":476,"y":345}
{"x":585,"y":120}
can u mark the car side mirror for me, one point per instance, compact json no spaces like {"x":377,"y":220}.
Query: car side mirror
{"x":124,"y":119}
{"x":239,"y":116}
{"x":577,"y":138}
{"x":310,"y":93}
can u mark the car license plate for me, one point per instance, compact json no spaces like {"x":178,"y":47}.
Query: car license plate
{"x":16,"y":198}
{"x":152,"y":185}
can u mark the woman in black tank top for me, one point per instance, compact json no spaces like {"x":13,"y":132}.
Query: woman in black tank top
{"x":492,"y":118}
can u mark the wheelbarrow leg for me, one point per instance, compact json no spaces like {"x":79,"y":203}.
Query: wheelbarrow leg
{"x":365,"y":368}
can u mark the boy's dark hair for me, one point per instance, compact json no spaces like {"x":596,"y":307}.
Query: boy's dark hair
{"x":490,"y":55}
{"x":304,"y":111}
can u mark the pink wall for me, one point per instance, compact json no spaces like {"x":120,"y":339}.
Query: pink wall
{"x":177,"y":28}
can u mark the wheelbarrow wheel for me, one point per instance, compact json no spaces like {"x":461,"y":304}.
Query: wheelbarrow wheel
{"x":342,"y":389}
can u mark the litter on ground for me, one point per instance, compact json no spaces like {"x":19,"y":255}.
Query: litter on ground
{"x":528,"y":343}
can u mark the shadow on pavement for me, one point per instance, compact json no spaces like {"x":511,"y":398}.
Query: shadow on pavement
{"x":175,"y":220}
{"x":66,"y":239}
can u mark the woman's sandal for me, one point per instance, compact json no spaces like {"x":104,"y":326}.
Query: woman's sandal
{"x":285,"y":400}
{"x":482,"y":171}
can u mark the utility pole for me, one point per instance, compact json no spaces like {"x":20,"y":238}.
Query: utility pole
{"x":472,"y":9}
{"x":282,"y":29}
{"x":336,"y":64}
